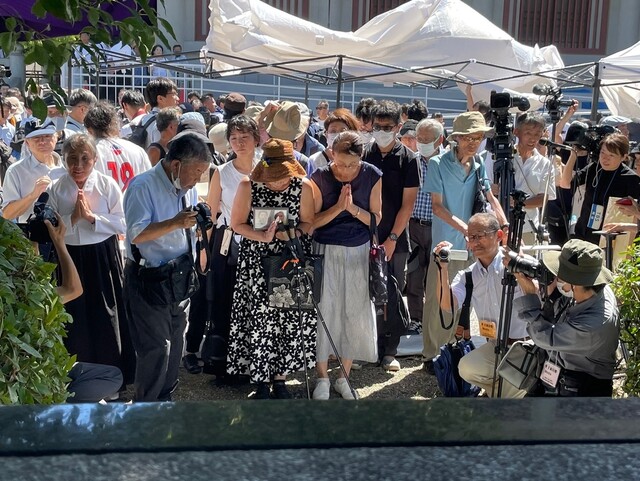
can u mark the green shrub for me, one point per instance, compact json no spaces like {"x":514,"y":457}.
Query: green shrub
{"x":33,"y":360}
{"x":627,"y":289}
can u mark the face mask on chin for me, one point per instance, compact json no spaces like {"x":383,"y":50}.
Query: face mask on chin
{"x":560,"y":285}
{"x":426,"y":150}
{"x":384,"y":138}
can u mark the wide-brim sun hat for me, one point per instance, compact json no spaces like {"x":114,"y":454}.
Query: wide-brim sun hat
{"x":469,"y":123}
{"x":287,"y":122}
{"x":278,"y":162}
{"x":580,"y":263}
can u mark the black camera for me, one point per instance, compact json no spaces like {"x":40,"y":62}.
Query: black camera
{"x":530,"y":267}
{"x":504,"y":101}
{"x":36,"y":229}
{"x":203,"y":217}
{"x":590,"y":138}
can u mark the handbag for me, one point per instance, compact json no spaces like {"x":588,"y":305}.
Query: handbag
{"x":522,"y":364}
{"x":479,"y":199}
{"x":294,"y":279}
{"x":378,"y":267}
{"x":446,"y":369}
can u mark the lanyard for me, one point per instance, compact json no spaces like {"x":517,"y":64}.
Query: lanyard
{"x":595,"y":193}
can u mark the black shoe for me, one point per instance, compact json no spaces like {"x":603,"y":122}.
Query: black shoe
{"x":262,"y":391}
{"x":280,"y":390}
{"x":427,"y":367}
{"x":191,"y":364}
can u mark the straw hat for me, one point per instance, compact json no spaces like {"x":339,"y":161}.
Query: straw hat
{"x":469,"y":123}
{"x":278,"y":162}
{"x":579,"y":263}
{"x":287,"y":122}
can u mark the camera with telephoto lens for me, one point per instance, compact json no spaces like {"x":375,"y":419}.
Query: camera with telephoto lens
{"x":36,"y":230}
{"x":590,"y":139}
{"x":446,"y":254}
{"x":203,"y":217}
{"x":504,"y":101}
{"x":530,"y":267}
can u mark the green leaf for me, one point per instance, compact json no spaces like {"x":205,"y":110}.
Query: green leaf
{"x":39,"y":108}
{"x":38,"y":9}
{"x":10,"y":23}
{"x":57,"y":8}
{"x":93,"y":15}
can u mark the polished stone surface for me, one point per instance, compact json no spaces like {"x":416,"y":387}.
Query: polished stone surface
{"x":243,"y":425}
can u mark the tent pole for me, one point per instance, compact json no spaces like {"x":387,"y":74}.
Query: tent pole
{"x":339,"y":88}
{"x":306,"y":92}
{"x":596,"y":92}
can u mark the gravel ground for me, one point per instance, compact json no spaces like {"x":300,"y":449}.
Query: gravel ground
{"x":371,"y":382}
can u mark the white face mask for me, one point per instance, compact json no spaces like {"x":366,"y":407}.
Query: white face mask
{"x":426,"y":150}
{"x":365,"y":136}
{"x":560,"y":285}
{"x":58,"y":122}
{"x":176,"y":180}
{"x":330,"y":138}
{"x":383,"y":138}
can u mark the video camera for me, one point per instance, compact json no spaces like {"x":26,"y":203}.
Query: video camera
{"x":553,"y":99}
{"x":590,"y":138}
{"x":502,"y":102}
{"x":530,"y":267}
{"x":203,"y":217}
{"x":35,"y":228}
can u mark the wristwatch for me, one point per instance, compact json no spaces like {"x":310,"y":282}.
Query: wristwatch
{"x":393,"y":237}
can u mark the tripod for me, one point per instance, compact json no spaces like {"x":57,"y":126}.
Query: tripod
{"x":304,"y":283}
{"x":508,"y":285}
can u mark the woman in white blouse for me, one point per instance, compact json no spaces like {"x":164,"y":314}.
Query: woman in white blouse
{"x":158,"y":58}
{"x":90,"y":204}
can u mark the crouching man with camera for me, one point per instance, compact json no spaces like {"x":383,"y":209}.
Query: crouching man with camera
{"x":581,"y":340}
{"x":160,"y":274}
{"x":487,"y":271}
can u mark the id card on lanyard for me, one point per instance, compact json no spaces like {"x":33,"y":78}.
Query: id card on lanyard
{"x":596,"y":214}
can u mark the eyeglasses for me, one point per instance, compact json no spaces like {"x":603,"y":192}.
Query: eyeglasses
{"x":384,"y":128}
{"x":472,"y":138}
{"x":477,"y":237}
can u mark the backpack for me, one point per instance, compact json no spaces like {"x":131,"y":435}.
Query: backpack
{"x":139,"y":132}
{"x":446,"y":364}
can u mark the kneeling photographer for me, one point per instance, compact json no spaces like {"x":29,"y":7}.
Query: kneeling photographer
{"x":581,"y":340}
{"x":487,"y":271}
{"x":160,"y":273}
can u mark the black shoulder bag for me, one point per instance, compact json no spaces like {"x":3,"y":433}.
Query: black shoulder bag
{"x":378,"y":267}
{"x":480,"y":199}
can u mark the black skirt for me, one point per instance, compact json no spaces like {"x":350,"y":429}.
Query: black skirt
{"x":99,"y":332}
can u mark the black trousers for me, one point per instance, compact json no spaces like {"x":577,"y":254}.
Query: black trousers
{"x":91,"y":383}
{"x":388,"y":343}
{"x":417,"y":268}
{"x":157,"y":333}
{"x":198,"y":316}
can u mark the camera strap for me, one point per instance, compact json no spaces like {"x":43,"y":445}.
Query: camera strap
{"x":465,"y":312}
{"x":453,"y":314}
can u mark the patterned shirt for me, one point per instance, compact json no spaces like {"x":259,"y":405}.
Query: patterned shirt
{"x":423,"y":209}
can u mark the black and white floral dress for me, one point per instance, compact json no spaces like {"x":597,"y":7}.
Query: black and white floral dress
{"x":265,"y":341}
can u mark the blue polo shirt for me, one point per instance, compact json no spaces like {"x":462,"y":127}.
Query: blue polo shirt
{"x":457,"y":188}
{"x":151,"y":198}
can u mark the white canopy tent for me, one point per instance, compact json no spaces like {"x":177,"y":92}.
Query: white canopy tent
{"x":619,"y":76}
{"x":435,"y":43}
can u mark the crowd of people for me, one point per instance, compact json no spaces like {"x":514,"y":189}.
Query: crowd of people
{"x":132,"y":184}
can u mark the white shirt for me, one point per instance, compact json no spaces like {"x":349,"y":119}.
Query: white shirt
{"x":21,"y":177}
{"x":151,"y":198}
{"x":121,"y":160}
{"x":105,"y":200}
{"x":487,"y":293}
{"x":532,"y":177}
{"x":7,"y":131}
{"x":230,"y":178}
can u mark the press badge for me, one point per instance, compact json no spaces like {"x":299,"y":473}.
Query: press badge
{"x":226,"y":241}
{"x":595,"y":217}
{"x":488,"y":329}
{"x":550,"y":374}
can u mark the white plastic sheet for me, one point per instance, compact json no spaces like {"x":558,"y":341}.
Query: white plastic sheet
{"x":622,"y":68}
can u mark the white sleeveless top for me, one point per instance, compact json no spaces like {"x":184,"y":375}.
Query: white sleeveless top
{"x":229,"y":180}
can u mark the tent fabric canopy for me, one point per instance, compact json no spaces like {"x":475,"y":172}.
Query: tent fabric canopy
{"x":620,"y":81}
{"x":434,"y":42}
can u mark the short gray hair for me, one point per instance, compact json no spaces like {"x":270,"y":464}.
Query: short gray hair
{"x":431,"y":125}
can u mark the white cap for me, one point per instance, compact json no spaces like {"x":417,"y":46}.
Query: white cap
{"x":614,"y":120}
{"x":39,"y":132}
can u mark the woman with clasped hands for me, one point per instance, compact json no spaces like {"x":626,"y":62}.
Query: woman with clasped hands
{"x":346,"y":193}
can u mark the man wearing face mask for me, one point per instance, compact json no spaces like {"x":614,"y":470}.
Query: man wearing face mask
{"x":399,"y":190}
{"x":581,"y":339}
{"x":159,"y":230}
{"x":429,"y":137}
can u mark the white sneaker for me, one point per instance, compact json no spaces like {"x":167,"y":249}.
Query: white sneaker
{"x":321,"y":391}
{"x":390,"y":363}
{"x":342,"y":388}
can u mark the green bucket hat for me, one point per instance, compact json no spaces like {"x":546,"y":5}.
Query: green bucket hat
{"x":579,"y":263}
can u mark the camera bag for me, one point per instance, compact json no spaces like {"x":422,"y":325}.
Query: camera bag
{"x":480,"y":199}
{"x":522,"y":364}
